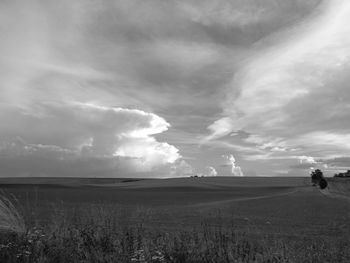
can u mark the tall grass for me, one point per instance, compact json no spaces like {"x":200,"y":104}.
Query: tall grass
{"x":106,"y":233}
{"x":10,"y":218}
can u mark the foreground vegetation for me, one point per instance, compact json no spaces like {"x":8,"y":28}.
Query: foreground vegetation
{"x":104,"y":233}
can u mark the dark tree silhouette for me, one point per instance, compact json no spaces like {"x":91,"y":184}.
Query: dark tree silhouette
{"x":317,"y":178}
{"x":323,"y":183}
{"x":346,"y":174}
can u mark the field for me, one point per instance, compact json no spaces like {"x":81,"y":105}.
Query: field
{"x":222,"y":219}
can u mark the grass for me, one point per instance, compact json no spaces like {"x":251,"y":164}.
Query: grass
{"x":192,"y":220}
{"x":10,"y":218}
{"x":107,"y":233}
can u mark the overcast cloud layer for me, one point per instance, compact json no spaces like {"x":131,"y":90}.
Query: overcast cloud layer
{"x":134,"y":88}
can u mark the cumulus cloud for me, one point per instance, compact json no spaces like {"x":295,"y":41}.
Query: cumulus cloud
{"x":149,"y":150}
{"x":89,"y":131}
{"x":18,"y":158}
{"x":306,"y":159}
{"x":210,"y":171}
{"x":180,"y":168}
{"x":207,"y":171}
{"x":231,"y":162}
{"x":81,"y":124}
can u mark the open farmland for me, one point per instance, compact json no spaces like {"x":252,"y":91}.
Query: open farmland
{"x":272,"y":209}
{"x":287,"y":205}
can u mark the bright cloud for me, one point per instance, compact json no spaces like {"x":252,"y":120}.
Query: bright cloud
{"x":307,"y":159}
{"x":231,"y":162}
{"x":90,"y":131}
{"x":211,"y":171}
{"x":148,"y":150}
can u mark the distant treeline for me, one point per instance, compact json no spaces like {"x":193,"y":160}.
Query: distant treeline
{"x":346,"y":174}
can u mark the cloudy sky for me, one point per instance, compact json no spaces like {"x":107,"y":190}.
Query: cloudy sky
{"x":171,"y":88}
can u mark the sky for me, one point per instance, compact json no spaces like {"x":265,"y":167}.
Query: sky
{"x":134,"y":88}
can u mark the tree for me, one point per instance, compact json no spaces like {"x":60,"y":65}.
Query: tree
{"x":346,"y":174}
{"x":316,"y":176}
{"x":323,"y":183}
